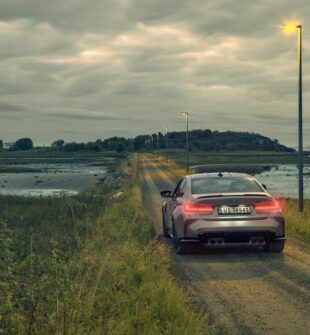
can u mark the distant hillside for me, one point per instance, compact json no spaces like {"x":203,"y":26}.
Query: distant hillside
{"x":208,"y":140}
{"x":205,"y":140}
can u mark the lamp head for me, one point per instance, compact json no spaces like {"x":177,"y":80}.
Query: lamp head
{"x":290,"y":27}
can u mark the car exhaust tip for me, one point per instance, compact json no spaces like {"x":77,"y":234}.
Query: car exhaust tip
{"x":216,"y":241}
{"x":258,"y":240}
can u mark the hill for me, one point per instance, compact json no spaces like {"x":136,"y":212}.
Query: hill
{"x":205,"y":140}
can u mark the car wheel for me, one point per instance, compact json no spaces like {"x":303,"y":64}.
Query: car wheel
{"x":275,"y":246}
{"x":179,"y":247}
{"x":165,"y":230}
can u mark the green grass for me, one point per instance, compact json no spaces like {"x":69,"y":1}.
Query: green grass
{"x":297,"y":224}
{"x":232,"y":158}
{"x":17,"y":169}
{"x":58,"y":154}
{"x":87,"y":264}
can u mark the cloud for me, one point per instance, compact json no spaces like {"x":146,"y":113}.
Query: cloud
{"x":137,"y":65}
{"x":7,"y":107}
{"x":83,"y":117}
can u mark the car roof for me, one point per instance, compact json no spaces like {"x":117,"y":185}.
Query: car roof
{"x":220,"y":174}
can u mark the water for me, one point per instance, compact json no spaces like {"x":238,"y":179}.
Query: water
{"x":282,"y":181}
{"x":56,"y":177}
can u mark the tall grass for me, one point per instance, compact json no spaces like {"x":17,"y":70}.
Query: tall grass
{"x":297,"y":224}
{"x":87,"y":265}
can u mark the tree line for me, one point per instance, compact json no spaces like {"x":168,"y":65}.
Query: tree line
{"x":205,"y":140}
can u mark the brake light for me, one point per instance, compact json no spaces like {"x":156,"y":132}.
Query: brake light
{"x":268,"y":206}
{"x":189,"y":207}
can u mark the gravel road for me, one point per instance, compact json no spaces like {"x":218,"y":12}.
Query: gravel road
{"x":243,"y":291}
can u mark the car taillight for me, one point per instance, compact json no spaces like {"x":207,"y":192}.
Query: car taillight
{"x":268,"y":206}
{"x":189,"y":207}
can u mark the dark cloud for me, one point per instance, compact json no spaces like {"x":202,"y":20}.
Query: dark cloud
{"x":85,"y":117}
{"x":129,"y":66}
{"x":7,"y":107}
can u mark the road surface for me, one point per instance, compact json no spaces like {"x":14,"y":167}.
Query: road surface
{"x":243,"y":291}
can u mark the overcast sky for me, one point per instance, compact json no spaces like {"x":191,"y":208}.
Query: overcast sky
{"x":82,"y":70}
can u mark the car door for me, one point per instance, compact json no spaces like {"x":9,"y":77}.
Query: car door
{"x":176,"y":200}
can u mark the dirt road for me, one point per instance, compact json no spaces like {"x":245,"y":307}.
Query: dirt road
{"x":243,"y":291}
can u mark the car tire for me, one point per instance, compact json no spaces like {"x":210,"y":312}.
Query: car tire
{"x":165,"y":230}
{"x":275,"y":246}
{"x":179,"y":247}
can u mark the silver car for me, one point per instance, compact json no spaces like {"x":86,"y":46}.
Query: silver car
{"x":222,"y":209}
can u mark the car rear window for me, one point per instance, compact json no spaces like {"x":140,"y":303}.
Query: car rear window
{"x":224,"y":185}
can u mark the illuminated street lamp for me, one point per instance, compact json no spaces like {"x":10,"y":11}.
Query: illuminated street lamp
{"x":289,"y":28}
{"x":186,"y":120}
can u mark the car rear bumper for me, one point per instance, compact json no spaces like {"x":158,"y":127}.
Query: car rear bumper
{"x":197,"y":229}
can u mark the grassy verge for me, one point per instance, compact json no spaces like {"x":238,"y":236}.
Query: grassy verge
{"x":297,"y":224}
{"x":87,"y":265}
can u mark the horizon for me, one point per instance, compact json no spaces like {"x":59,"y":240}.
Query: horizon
{"x":35,"y":144}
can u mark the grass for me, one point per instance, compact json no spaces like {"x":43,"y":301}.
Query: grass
{"x":234,"y":158}
{"x":88,"y":264}
{"x":58,"y":154}
{"x":297,"y":224}
{"x":17,"y":169}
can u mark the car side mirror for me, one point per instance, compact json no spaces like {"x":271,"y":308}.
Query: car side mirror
{"x":166,"y":194}
{"x":264,"y":186}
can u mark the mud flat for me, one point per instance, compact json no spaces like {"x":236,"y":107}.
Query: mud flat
{"x":53,"y":177}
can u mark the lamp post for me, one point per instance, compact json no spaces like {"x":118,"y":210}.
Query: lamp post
{"x":186,"y":120}
{"x":291,"y":27}
{"x":152,"y":143}
{"x":157,"y":134}
{"x":166,"y":128}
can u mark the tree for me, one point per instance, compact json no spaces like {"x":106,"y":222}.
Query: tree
{"x":58,"y":144}
{"x":91,"y":146}
{"x":120,"y":147}
{"x":23,"y":144}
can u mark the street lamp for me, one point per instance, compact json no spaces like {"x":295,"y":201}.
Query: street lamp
{"x":157,"y":134}
{"x":186,"y":120}
{"x":166,"y":128}
{"x":289,"y":28}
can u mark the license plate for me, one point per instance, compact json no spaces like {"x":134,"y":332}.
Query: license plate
{"x":234,"y":210}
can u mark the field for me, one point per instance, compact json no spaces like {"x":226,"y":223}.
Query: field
{"x":88,"y":264}
{"x":233,"y":158}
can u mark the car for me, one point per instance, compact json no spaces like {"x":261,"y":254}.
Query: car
{"x":222,"y":209}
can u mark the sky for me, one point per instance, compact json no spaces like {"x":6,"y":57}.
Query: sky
{"x":83,"y":70}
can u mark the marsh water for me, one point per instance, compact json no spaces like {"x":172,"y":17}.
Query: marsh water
{"x":55,"y":176}
{"x":282,"y":181}
{"x":71,"y":176}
